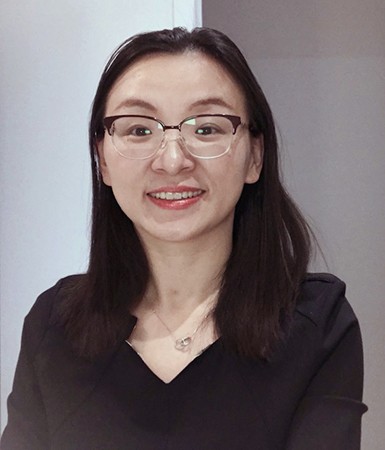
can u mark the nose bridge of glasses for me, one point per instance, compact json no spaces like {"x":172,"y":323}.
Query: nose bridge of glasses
{"x":176,"y":138}
{"x":172,"y":133}
{"x":171,"y":127}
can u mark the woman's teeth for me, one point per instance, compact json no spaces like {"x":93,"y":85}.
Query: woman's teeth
{"x":175,"y":195}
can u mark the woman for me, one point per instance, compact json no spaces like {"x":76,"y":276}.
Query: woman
{"x":196,"y":325}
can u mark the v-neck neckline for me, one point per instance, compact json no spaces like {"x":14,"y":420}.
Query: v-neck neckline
{"x":182,"y":373}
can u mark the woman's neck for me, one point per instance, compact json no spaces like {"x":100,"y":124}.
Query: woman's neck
{"x":185,"y":275}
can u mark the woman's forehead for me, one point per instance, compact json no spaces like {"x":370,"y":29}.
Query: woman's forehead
{"x":188,"y":77}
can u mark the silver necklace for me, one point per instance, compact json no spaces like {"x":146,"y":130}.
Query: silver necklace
{"x":182,"y":344}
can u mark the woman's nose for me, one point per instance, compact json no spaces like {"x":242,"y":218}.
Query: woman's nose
{"x":173,"y":156}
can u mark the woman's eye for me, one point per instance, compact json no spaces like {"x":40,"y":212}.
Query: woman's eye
{"x":139,"y":131}
{"x":206,"y":130}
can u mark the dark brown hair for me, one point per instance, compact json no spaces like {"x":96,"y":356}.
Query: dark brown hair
{"x":271,"y":240}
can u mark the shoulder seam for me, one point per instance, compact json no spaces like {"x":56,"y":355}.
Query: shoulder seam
{"x":56,"y":288}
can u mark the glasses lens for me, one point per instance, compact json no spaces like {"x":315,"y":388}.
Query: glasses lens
{"x":136,"y":137}
{"x":207,"y":136}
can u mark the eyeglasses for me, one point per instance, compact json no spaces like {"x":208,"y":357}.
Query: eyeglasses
{"x":205,"y":136}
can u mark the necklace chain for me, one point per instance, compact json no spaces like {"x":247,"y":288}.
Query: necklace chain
{"x":182,"y":344}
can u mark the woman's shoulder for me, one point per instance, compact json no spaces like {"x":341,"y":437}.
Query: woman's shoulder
{"x":322,"y":302}
{"x":45,"y":310}
{"x":48,"y":300}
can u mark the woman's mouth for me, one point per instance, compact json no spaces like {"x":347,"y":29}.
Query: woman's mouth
{"x":165,"y":195}
{"x":175,"y":199}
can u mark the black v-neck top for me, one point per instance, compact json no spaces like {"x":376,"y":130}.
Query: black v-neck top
{"x":307,"y":397}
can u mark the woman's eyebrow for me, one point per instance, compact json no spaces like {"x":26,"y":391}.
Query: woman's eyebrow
{"x":136,"y":102}
{"x":215,"y":101}
{"x":140,"y":103}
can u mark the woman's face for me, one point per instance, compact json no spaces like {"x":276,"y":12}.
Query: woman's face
{"x":171,"y":88}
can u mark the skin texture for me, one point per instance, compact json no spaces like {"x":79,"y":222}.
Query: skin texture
{"x":172,"y":85}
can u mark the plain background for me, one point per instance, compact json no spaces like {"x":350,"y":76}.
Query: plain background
{"x":52,"y":55}
{"x":321,"y":64}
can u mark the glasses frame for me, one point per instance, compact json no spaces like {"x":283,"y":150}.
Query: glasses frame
{"x":235,"y":122}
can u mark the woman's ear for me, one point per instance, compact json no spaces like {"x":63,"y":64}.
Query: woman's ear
{"x":256,"y":159}
{"x":103,"y":167}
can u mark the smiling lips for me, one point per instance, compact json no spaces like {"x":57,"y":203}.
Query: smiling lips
{"x":175,"y":195}
{"x":179,"y":198}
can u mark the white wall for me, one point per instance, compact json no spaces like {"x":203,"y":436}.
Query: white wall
{"x":322,"y":66}
{"x":52,"y":54}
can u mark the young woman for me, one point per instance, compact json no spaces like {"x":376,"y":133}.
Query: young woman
{"x":196,"y":325}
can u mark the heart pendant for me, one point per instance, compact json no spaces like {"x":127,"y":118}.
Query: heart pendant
{"x":183,"y":343}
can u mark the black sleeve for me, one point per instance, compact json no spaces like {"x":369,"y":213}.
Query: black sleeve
{"x":329,"y":415}
{"x":27,"y":425}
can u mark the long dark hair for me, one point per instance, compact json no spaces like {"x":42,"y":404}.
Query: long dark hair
{"x":271,"y":240}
